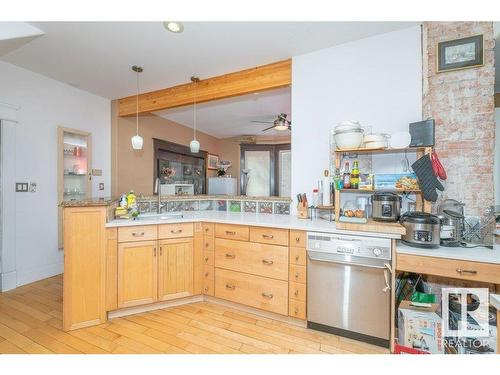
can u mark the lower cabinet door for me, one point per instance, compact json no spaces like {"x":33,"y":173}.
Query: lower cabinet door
{"x":137,"y":273}
{"x":175,"y":269}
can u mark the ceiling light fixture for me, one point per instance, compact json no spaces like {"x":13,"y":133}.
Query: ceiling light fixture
{"x":194,"y":145}
{"x":137,"y":140}
{"x":174,"y":26}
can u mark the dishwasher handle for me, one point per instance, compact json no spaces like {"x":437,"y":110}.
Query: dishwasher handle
{"x":387,"y":272}
{"x":359,"y":264}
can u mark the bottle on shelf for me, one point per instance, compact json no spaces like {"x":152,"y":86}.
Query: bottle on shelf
{"x":346,"y":179}
{"x":355,"y":175}
{"x":339,"y":184}
{"x":315,"y":198}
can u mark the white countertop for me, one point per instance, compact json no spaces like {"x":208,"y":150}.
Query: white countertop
{"x":475,"y":254}
{"x":246,"y":218}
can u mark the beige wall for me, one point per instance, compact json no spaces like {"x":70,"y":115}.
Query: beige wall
{"x":135,"y":169}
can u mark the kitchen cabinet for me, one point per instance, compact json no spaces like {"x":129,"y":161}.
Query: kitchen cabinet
{"x":208,"y":259}
{"x":175,"y":268}
{"x":297,"y":296}
{"x":111,"y":269}
{"x":137,"y":273}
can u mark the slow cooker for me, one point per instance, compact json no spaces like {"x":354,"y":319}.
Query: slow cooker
{"x":422,"y":229}
{"x":386,"y":206}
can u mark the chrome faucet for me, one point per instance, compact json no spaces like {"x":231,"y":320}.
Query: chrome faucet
{"x":157,"y":190}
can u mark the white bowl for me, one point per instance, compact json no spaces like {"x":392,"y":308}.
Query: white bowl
{"x":400,"y":140}
{"x":380,"y":137}
{"x":377,"y":144}
{"x":347,"y":125}
{"x":348,"y":140}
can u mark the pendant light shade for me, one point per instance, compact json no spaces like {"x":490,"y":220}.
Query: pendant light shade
{"x":137,"y":140}
{"x":194,"y":145}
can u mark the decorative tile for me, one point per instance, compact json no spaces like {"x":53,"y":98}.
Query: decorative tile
{"x":205,"y":205}
{"x":249,"y":206}
{"x":175,"y":206}
{"x":266,"y":207}
{"x":191,"y":206}
{"x":281,"y":208}
{"x":221,"y":205}
{"x":144,"y":207}
{"x":235,"y":206}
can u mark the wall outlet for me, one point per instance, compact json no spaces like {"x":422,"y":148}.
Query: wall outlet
{"x":101,"y":185}
{"x":21,"y":187}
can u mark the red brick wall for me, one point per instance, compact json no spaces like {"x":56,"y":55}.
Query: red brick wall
{"x":462,"y":103}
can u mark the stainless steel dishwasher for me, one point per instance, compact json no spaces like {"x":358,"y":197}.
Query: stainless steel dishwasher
{"x":348,"y":286}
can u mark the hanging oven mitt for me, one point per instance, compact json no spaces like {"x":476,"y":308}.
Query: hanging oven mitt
{"x":426,"y":179}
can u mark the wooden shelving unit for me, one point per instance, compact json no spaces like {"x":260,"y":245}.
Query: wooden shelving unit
{"x":394,"y":228}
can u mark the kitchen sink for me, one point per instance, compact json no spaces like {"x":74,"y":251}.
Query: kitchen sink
{"x":164,"y":216}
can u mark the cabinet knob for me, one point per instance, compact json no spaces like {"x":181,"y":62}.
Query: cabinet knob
{"x":206,"y":229}
{"x":207,"y":244}
{"x":297,"y":239}
{"x":297,"y":257}
{"x":206,"y":274}
{"x":205,"y":289}
{"x":297,"y":275}
{"x":206,"y":259}
{"x":296,"y":310}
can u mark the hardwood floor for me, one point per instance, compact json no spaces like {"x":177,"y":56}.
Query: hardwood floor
{"x":30,"y":322}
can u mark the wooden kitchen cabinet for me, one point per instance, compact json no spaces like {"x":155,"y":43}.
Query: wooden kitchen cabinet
{"x":137,"y":273}
{"x":175,"y":268}
{"x":111,"y":269}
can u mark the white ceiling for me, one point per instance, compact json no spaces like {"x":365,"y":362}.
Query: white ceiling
{"x":97,"y":56}
{"x":232,"y":117}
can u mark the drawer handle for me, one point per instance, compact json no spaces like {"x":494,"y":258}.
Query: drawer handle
{"x":230,"y":256}
{"x":269,"y":236}
{"x":206,"y":259}
{"x":154,"y":251}
{"x":231,"y":233}
{"x":296,"y":310}
{"x":206,"y":274}
{"x":230,"y":287}
{"x":206,"y":229}
{"x":297,"y":257}
{"x":267,"y":295}
{"x":472,"y":272}
{"x":296,"y":293}
{"x":297,"y":275}
{"x":161,"y":251}
{"x":176,"y":231}
{"x":205,"y":289}
{"x":267,"y":262}
{"x":137,"y":234}
{"x":207,"y":244}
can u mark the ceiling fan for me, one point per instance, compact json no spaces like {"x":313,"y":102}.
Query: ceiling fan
{"x":281,"y":123}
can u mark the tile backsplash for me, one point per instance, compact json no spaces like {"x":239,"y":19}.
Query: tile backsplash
{"x":148,"y":205}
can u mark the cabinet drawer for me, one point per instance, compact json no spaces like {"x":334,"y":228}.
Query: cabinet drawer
{"x":298,"y":238}
{"x":175,"y":230}
{"x":297,"y":309}
{"x":297,"y":291}
{"x":137,"y":233}
{"x":208,"y":229}
{"x":208,"y":243}
{"x":208,"y":258}
{"x":208,"y":273}
{"x":298,"y":256}
{"x":208,"y":287}
{"x":454,"y":268}
{"x":298,"y":273}
{"x":254,"y":258}
{"x":255,"y":291}
{"x":269,"y":235}
{"x":232,"y":232}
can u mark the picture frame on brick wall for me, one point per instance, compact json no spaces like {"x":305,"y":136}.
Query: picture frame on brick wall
{"x":463,"y":53}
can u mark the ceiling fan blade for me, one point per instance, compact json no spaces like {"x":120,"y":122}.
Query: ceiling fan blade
{"x":263,"y":122}
{"x":269,"y":128}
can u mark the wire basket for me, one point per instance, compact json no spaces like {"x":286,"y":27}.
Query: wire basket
{"x":480,"y":230}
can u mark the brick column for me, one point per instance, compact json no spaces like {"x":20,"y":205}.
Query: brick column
{"x":462,"y":103}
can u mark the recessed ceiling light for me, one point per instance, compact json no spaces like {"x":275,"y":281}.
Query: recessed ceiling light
{"x":173,"y":26}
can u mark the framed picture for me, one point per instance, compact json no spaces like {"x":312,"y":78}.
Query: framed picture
{"x":212,"y":161}
{"x":460,"y":53}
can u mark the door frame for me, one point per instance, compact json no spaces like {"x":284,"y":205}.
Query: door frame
{"x":274,"y":150}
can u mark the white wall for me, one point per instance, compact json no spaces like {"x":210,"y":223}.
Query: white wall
{"x":377,"y":81}
{"x":44,"y":105}
{"x":496,"y":167}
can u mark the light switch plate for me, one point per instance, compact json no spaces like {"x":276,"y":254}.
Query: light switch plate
{"x":21,"y":187}
{"x":101,"y":185}
{"x":32,"y":187}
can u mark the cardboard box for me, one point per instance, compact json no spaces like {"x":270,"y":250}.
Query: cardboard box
{"x":420,"y":328}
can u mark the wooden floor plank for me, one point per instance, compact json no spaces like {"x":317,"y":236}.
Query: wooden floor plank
{"x":31,"y":322}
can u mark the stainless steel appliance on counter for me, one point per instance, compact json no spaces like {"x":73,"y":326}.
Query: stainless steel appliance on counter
{"x":348,"y":286}
{"x":422,"y":229}
{"x":386,"y":206}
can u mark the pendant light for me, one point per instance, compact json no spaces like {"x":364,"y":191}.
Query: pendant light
{"x":137,"y":140}
{"x":194,"y":145}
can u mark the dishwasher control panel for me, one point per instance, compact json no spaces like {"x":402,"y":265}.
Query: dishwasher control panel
{"x":368,"y":247}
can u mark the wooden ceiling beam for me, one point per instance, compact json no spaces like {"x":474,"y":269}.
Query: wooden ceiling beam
{"x":261,"y":78}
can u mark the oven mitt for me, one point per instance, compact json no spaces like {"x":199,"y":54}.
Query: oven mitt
{"x":426,"y":180}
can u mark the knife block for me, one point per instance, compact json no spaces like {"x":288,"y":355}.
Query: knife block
{"x":302,"y":211}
